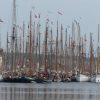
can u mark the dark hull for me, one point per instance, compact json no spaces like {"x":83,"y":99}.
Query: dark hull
{"x":66,"y":80}
{"x":38,"y":80}
{"x":17,"y":80}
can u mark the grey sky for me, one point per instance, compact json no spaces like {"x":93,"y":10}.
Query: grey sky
{"x":84,"y":11}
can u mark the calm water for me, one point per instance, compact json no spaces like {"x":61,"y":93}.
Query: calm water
{"x":53,"y":91}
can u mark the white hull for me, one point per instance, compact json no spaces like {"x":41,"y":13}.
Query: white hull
{"x":95,"y":78}
{"x":82,"y":78}
{"x":1,"y":77}
{"x":57,"y":80}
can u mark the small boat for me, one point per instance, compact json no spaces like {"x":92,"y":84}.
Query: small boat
{"x":82,"y":78}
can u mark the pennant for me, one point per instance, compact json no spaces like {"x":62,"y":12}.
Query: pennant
{"x":60,"y":13}
{"x":35,"y":16}
{"x":1,"y":20}
{"x":39,"y":16}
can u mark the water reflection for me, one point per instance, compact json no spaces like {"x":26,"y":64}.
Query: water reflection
{"x":72,"y":91}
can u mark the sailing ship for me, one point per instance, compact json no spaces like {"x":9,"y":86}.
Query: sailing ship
{"x":81,"y":77}
{"x":95,"y":77}
{"x":15,"y":76}
{"x":77,"y":56}
{"x":43,"y":76}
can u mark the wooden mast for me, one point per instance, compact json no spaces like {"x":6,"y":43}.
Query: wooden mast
{"x":79,"y":49}
{"x":66,"y":54}
{"x":57,"y":48}
{"x":23,"y":45}
{"x":91,"y":55}
{"x":12,"y":52}
{"x":20,"y":57}
{"x":69,"y":52}
{"x":82,"y":56}
{"x":13,"y":36}
{"x":61,"y":50}
{"x":39,"y":44}
{"x":85,"y":58}
{"x":98,"y":54}
{"x":45,"y":58}
{"x":33,"y":47}
{"x":73,"y":49}
{"x":7,"y":60}
{"x":37,"y":47}
{"x":51,"y":52}
{"x":30,"y":59}
{"x":27,"y":48}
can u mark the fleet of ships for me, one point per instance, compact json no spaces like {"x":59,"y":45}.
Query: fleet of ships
{"x":43,"y":59}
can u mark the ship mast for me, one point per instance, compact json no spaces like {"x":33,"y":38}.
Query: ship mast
{"x":20,"y":59}
{"x":51,"y":52}
{"x":69,"y":53}
{"x":66,"y":56}
{"x":91,"y":55}
{"x":79,"y":51}
{"x":73,"y":48}
{"x":7,"y":60}
{"x":33,"y":45}
{"x":61,"y":50}
{"x":85,"y":65}
{"x":13,"y":37}
{"x":57,"y":48}
{"x":39,"y":43}
{"x":23,"y":44}
{"x":30,"y":34}
{"x":98,"y":54}
{"x":46,"y":34}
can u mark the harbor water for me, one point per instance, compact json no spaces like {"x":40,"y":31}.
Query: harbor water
{"x":52,"y":91}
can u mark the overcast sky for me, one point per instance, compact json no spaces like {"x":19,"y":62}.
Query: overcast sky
{"x":86,"y":12}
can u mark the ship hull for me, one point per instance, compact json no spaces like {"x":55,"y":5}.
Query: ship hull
{"x":82,"y":78}
{"x":95,"y":79}
{"x":17,"y":80}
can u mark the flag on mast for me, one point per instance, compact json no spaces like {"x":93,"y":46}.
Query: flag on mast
{"x":35,"y":16}
{"x":39,"y":16}
{"x":1,"y":20}
{"x":60,"y":13}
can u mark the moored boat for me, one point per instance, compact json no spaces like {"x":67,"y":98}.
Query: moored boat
{"x":82,"y":78}
{"x":95,"y":78}
{"x":17,"y":80}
